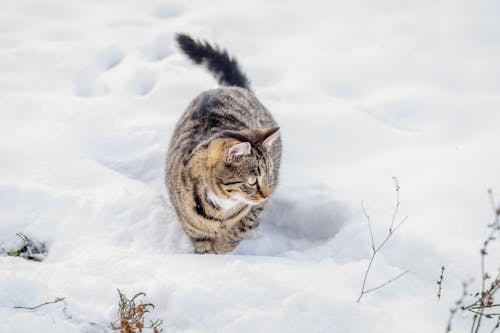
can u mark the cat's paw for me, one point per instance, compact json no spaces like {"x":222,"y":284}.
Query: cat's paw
{"x":203,"y":246}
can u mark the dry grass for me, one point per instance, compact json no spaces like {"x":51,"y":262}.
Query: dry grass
{"x":131,"y":315}
{"x":30,"y":250}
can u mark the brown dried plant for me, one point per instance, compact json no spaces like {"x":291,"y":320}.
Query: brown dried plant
{"x":131,"y":314}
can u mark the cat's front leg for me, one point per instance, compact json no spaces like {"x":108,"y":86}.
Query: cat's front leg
{"x":213,"y":246}
{"x":224,"y":245}
{"x":203,"y":246}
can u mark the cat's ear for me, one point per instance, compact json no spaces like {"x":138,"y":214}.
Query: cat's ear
{"x":223,"y":150}
{"x":235,"y":152}
{"x":269,"y":135}
{"x":264,"y":136}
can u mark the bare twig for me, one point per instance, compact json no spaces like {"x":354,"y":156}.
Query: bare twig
{"x":440,"y":282}
{"x":474,"y":321}
{"x":57,"y":300}
{"x":369,"y":225}
{"x":387,"y":282}
{"x":397,"y":187}
{"x":486,"y":296}
{"x":483,"y":301}
{"x":376,"y":249}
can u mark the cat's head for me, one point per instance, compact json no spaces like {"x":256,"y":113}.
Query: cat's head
{"x":242,"y":166}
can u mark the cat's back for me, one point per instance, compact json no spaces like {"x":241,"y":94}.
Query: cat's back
{"x":217,"y":110}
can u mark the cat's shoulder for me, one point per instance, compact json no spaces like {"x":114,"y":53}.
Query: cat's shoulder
{"x":209,"y":100}
{"x":221,"y":92}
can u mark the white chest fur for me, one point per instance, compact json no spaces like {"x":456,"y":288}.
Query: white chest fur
{"x":224,"y":204}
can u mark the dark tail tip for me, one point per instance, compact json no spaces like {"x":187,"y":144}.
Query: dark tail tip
{"x":224,"y":68}
{"x":190,"y":47}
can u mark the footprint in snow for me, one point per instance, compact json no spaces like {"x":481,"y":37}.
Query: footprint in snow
{"x":86,"y":84}
{"x":297,"y":219}
{"x":159,"y":48}
{"x":142,"y":82}
{"x":86,"y":80}
{"x":109,"y":58}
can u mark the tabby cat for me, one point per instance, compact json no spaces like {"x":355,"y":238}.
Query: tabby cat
{"x":224,"y":156}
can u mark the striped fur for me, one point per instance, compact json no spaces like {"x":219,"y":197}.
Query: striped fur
{"x":218,"y":62}
{"x":224,"y":158}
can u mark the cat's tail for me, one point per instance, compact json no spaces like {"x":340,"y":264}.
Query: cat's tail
{"x":226,"y":69}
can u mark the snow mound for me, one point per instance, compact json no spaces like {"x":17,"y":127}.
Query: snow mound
{"x":301,"y":220}
{"x":90,"y":93}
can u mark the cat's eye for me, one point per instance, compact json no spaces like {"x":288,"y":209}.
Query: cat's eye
{"x":251,"y":181}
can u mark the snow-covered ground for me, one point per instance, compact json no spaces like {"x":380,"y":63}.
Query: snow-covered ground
{"x":363,"y":90}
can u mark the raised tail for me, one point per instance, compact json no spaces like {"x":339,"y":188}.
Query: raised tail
{"x":225,"y":69}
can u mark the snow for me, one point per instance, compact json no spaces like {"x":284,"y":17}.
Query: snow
{"x":363,"y":91}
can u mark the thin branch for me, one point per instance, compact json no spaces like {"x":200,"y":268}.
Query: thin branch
{"x":387,"y":282}
{"x":366,"y":276}
{"x":483,"y":301}
{"x":487,"y":296}
{"x":57,"y":300}
{"x":473,"y":323}
{"x":376,"y":249}
{"x":477,"y":307}
{"x":487,"y":315}
{"x":440,"y":282}
{"x":391,"y":233}
{"x":369,"y":225}
{"x":396,"y":185}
